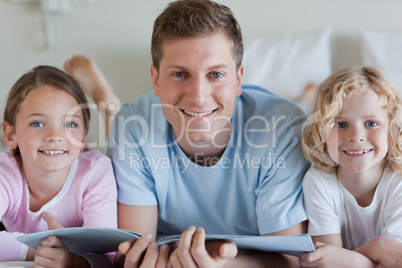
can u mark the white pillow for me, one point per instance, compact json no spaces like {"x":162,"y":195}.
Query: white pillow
{"x":384,"y":52}
{"x":286,"y":64}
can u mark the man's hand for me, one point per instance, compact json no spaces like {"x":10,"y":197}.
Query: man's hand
{"x":144,"y":253}
{"x":194,"y":252}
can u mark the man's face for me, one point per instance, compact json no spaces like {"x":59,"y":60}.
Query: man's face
{"x":198,"y":84}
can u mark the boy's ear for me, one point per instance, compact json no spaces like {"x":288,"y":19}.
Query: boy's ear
{"x":9,"y":135}
{"x":155,"y":80}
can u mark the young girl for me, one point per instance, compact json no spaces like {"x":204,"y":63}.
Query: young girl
{"x":353,"y":192}
{"x":47,"y":180}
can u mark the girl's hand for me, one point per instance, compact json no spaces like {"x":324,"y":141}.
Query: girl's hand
{"x":52,"y":223}
{"x":53,"y":253}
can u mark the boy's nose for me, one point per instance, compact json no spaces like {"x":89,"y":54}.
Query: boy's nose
{"x":357,"y":134}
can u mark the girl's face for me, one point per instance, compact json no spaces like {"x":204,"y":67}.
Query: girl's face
{"x":49,"y":131}
{"x":358,"y":142}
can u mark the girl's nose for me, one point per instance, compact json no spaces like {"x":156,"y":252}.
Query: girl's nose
{"x":54,"y":134}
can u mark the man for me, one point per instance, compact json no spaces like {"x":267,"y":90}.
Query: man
{"x":203,"y":151}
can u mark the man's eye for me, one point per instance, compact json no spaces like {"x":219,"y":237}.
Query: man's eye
{"x":37,"y":124}
{"x":341,"y":125}
{"x":179,"y":74}
{"x":371,"y":124}
{"x":216,"y":75}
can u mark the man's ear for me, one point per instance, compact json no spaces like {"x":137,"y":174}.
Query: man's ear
{"x":9,"y":135}
{"x":155,"y":80}
{"x":239,"y":80}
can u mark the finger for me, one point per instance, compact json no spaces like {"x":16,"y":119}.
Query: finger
{"x":151,"y":255}
{"x":185,"y":247}
{"x":198,"y":249}
{"x":308,"y":258}
{"x":42,"y":261}
{"x":52,"y":223}
{"x":163,"y":256}
{"x":135,"y":253}
{"x":125,"y":246}
{"x":228,"y":250}
{"x":53,"y":241}
{"x":174,"y":260}
{"x":319,"y":244}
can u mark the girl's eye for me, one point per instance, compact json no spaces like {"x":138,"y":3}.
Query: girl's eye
{"x":71,"y":125}
{"x":341,"y":125}
{"x":179,"y":74}
{"x":37,"y":124}
{"x":371,"y":124}
{"x":216,"y":75}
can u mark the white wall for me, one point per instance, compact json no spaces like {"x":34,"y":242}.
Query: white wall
{"x":116,"y":33}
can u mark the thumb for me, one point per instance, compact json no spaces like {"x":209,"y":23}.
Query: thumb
{"x":228,"y":250}
{"x":53,"y":241}
{"x":52,"y":223}
{"x":318,"y":244}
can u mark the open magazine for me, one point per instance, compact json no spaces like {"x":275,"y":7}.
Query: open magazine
{"x":81,"y":240}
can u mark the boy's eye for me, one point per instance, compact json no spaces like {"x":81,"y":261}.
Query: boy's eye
{"x":71,"y":125}
{"x":371,"y":124}
{"x":216,"y":75}
{"x":179,"y":74}
{"x":341,"y":125}
{"x":37,"y":124}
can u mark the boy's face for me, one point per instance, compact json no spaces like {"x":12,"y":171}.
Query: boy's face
{"x":359,"y":140}
{"x":198,"y":84}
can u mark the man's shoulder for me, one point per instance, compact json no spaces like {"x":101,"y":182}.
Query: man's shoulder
{"x":143,"y":105}
{"x":267,"y":102}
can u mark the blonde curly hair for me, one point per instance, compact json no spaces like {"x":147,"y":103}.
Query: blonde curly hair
{"x":332,"y":93}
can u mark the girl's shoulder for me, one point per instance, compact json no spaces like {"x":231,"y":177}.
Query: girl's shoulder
{"x":93,"y":155}
{"x":10,"y":171}
{"x":9,"y":162}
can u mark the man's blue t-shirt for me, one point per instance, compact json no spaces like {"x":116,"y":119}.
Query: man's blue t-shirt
{"x":255,"y":188}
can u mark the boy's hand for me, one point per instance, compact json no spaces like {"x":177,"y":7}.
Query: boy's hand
{"x":194,"y":252}
{"x":334,"y":256}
